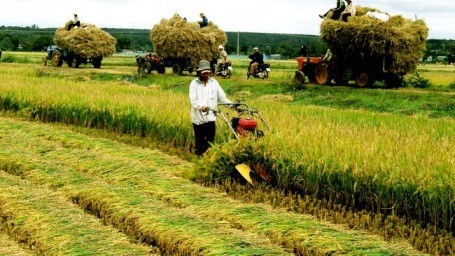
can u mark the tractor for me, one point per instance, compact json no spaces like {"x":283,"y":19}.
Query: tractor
{"x":364,"y":70}
{"x":58,"y":55}
{"x":306,"y":67}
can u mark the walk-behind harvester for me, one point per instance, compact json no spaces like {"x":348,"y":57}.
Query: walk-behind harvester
{"x":243,"y":125}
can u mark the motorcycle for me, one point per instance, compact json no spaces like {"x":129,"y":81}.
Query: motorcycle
{"x":261,"y":71}
{"x":225,"y":70}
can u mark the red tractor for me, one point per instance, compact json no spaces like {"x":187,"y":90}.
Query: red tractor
{"x":364,"y":70}
{"x":306,"y":66}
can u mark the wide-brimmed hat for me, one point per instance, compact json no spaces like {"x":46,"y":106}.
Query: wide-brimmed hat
{"x":204,"y":65}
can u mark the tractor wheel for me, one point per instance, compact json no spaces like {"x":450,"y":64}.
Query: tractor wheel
{"x":299,"y":77}
{"x":57,"y":60}
{"x":265,"y":74}
{"x":176,"y":69}
{"x":44,"y":60}
{"x":96,"y":62}
{"x":74,"y":62}
{"x":363,"y":78}
{"x":322,"y":74}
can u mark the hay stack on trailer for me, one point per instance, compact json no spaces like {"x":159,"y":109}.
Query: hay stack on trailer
{"x":83,"y":44}
{"x":377,"y":48}
{"x":183,"y":44}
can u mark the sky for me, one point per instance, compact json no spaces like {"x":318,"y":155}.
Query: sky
{"x":265,"y":16}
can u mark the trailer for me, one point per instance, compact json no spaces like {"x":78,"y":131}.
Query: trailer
{"x":366,"y":49}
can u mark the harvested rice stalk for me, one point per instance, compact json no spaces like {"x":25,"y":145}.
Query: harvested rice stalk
{"x":87,"y":40}
{"x":177,"y":38}
{"x":363,"y":38}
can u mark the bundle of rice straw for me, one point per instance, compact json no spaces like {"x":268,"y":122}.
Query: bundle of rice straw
{"x":177,"y":38}
{"x":400,"y":40}
{"x":87,"y":40}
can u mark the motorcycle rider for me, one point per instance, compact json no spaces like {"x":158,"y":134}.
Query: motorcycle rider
{"x":222,"y":59}
{"x":256,"y":60}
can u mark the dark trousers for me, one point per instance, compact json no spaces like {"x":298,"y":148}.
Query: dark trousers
{"x":336,"y":13}
{"x":70,"y":26}
{"x":345,"y":16}
{"x":204,"y":135}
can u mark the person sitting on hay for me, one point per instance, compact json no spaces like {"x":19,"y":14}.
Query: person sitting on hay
{"x":349,"y":11}
{"x":76,"y":22}
{"x":336,"y":11}
{"x":204,"y":21}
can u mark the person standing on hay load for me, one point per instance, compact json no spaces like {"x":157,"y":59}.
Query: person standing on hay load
{"x":205,"y":92}
{"x":304,"y":50}
{"x":204,"y":22}
{"x":76,"y":22}
{"x":222,"y":59}
{"x":256,"y":60}
{"x":349,"y":11}
{"x":340,"y":7}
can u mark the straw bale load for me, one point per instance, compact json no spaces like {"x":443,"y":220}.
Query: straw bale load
{"x":400,"y":40}
{"x":178,"y":38}
{"x":87,"y":41}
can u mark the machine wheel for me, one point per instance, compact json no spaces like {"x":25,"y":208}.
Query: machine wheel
{"x":44,"y":60}
{"x":57,"y":60}
{"x":96,"y":62}
{"x":176,"y":69}
{"x":265,"y":74}
{"x":74,"y":62}
{"x":322,"y":74}
{"x":247,"y":74}
{"x":299,"y":77}
{"x":363,"y":78}
{"x":228,"y":73}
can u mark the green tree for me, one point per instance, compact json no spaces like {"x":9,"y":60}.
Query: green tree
{"x":123,"y":42}
{"x":41,"y":43}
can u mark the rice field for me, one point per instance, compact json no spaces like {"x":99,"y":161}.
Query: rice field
{"x":57,"y":183}
{"x":355,"y":160}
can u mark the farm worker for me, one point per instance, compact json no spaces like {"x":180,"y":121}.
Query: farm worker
{"x":204,"y":22}
{"x":341,"y":6}
{"x":304,"y":50}
{"x":205,"y":92}
{"x":76,"y":22}
{"x":349,"y":11}
{"x":256,"y":59}
{"x":223,"y":57}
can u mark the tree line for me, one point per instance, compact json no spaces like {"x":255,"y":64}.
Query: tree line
{"x":33,"y":38}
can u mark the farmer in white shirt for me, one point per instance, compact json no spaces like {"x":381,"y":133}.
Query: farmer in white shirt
{"x":205,"y":92}
{"x":349,"y":11}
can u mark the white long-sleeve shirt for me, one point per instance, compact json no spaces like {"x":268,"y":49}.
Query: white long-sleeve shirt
{"x":350,"y":8}
{"x":205,"y":95}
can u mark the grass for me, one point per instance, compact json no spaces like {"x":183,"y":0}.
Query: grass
{"x":140,"y":192}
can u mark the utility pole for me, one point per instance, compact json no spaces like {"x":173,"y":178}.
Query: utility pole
{"x":238,"y":42}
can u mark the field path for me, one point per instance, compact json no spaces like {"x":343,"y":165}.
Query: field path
{"x":55,"y":182}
